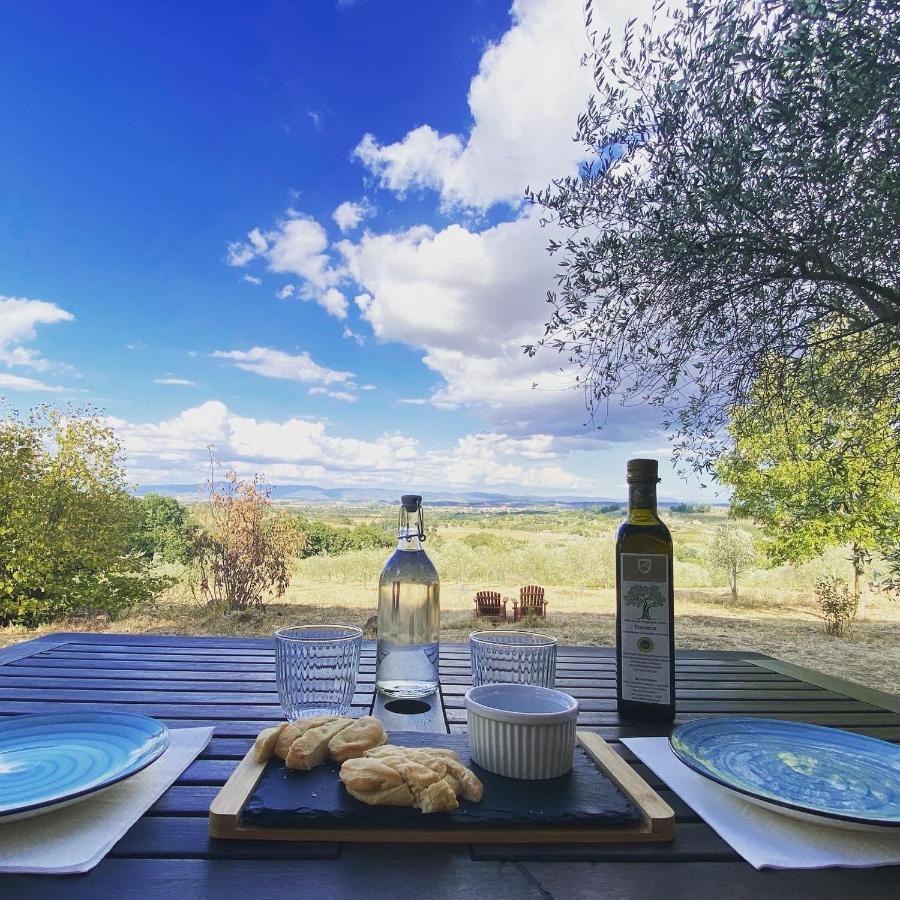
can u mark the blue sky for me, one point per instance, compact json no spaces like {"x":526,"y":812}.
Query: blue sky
{"x":295,"y":231}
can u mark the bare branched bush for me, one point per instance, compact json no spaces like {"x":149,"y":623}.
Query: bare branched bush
{"x":243,"y":548}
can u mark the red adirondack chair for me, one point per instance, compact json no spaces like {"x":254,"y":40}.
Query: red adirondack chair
{"x":489,"y":605}
{"x":531,"y":602}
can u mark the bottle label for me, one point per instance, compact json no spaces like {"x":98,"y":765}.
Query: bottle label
{"x":645,"y":627}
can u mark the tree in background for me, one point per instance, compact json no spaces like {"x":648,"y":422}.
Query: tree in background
{"x":323,"y":539}
{"x":67,"y":522}
{"x":731,"y":549}
{"x":243,"y":548}
{"x":740,"y":208}
{"x":166,"y":532}
{"x":821,"y":474}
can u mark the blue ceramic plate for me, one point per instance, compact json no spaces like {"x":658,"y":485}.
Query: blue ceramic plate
{"x":796,"y":768}
{"x":50,"y":761}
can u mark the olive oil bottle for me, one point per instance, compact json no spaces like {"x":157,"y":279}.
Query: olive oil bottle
{"x":645,"y":604}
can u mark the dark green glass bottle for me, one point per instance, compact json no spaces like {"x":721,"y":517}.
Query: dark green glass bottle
{"x":645,"y":603}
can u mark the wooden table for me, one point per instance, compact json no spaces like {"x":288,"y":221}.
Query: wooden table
{"x":229,"y":682}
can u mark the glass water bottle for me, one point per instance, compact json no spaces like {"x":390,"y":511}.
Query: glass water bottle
{"x":409,"y":612}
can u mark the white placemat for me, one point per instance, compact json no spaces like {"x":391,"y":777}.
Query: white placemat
{"x":766,"y":839}
{"x":75,"y":838}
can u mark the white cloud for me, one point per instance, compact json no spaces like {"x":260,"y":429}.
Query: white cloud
{"x":469,"y":300}
{"x":297,"y":449}
{"x":185,"y":382}
{"x":316,"y":118}
{"x":21,"y":383}
{"x":454,"y":287}
{"x":344,"y":396}
{"x":422,"y":159}
{"x":368,"y":387}
{"x":252,"y":279}
{"x":524,"y":100}
{"x":278,"y":364}
{"x":297,"y":246}
{"x":239,"y":254}
{"x":333,"y":302}
{"x":19,"y":318}
{"x":349,"y":214}
{"x":351,"y":335}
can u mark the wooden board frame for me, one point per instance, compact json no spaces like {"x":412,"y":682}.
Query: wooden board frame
{"x":657,"y":818}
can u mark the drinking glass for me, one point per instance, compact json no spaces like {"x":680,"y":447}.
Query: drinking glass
{"x":513,"y":657}
{"x":316,"y":668}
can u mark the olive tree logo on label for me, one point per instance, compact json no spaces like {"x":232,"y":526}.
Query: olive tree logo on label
{"x":647,"y":596}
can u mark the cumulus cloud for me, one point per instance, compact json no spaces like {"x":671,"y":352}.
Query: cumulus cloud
{"x":278,"y":364}
{"x":19,"y":318}
{"x":252,"y":279}
{"x":469,"y":300}
{"x":334,"y":302}
{"x":297,"y":449}
{"x":349,"y":214}
{"x":298,"y":246}
{"x":524,"y":100}
{"x":455,"y":287}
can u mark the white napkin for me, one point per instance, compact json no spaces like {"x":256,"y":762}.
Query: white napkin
{"x":766,"y":839}
{"x":75,"y":838}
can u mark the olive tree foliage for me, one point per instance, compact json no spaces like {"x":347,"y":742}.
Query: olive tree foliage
{"x":67,"y":521}
{"x":731,"y":550}
{"x":739,"y":205}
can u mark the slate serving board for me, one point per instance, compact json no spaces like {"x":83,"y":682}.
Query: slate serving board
{"x":284,"y":798}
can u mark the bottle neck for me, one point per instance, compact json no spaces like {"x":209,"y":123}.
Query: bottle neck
{"x":408,"y":538}
{"x":642,"y":501}
{"x":411,"y":530}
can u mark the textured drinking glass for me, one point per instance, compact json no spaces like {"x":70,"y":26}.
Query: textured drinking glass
{"x":316,"y":667}
{"x":512,"y":657}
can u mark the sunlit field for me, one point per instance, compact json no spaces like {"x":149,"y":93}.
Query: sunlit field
{"x":570,"y":553}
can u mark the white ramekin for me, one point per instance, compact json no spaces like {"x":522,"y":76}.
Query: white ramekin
{"x":521,"y":730}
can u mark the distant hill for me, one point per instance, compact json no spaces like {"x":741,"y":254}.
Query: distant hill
{"x":311,"y":493}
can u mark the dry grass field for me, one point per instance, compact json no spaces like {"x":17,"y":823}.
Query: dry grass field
{"x":787,"y":629}
{"x":776,"y":612}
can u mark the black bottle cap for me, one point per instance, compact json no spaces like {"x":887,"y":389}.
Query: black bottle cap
{"x":411,"y":502}
{"x":642,"y":471}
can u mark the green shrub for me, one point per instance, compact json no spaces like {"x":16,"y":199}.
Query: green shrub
{"x":489,"y":541}
{"x":837,"y":602}
{"x":165,"y":531}
{"x":327,"y":540}
{"x":67,"y":523}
